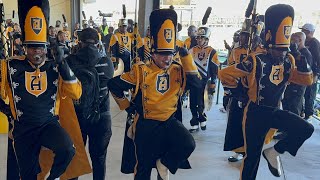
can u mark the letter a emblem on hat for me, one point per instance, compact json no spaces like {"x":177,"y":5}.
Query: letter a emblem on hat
{"x":36,"y":24}
{"x":168,"y":35}
{"x":287,"y":31}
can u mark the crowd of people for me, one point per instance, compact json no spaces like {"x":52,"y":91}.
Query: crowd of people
{"x":56,"y":88}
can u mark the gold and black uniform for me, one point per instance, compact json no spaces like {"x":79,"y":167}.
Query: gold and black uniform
{"x":190,"y":42}
{"x":267,"y":76}
{"x":155,"y":99}
{"x":121,"y":48}
{"x":39,"y":92}
{"x":206,"y":60}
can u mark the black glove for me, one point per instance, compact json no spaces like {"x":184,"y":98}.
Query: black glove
{"x":131,"y":109}
{"x":58,"y":54}
{"x":183,"y":52}
{"x":294,"y":50}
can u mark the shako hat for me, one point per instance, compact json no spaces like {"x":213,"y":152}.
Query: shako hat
{"x":34,"y":20}
{"x":163,"y":23}
{"x":278,"y":24}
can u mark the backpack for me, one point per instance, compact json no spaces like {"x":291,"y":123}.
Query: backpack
{"x":87,"y":107}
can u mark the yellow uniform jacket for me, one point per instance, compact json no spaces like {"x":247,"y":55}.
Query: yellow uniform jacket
{"x":147,"y":44}
{"x":121,"y":47}
{"x":237,"y":55}
{"x":190,"y":42}
{"x":36,"y":95}
{"x":156,"y":91}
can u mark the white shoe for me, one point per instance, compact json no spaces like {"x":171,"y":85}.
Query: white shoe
{"x":203,"y":125}
{"x":235,"y":158}
{"x":273,"y":159}
{"x":194,"y":128}
{"x":162,"y":170}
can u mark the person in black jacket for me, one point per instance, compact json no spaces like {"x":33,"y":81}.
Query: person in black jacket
{"x":313,"y":46}
{"x":99,"y":133}
{"x":293,"y":96}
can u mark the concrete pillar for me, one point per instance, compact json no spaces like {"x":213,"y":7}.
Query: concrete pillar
{"x":75,"y":13}
{"x":145,"y":9}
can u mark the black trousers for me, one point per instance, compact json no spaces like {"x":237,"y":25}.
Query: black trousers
{"x":28,"y":139}
{"x":259,"y":119}
{"x":99,"y":136}
{"x":234,"y":135}
{"x":293,"y":98}
{"x":169,"y":141}
{"x":309,"y":97}
{"x":197,"y":100}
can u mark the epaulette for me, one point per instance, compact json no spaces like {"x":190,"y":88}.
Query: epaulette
{"x":21,"y":58}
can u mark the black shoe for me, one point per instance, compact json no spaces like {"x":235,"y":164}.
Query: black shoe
{"x":235,"y":158}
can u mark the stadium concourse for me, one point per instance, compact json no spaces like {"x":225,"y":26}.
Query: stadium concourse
{"x":209,"y":161}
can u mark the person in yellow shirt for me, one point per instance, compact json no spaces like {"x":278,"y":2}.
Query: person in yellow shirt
{"x":104,"y":28}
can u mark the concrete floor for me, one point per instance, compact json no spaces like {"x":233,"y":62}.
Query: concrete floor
{"x":209,"y":161}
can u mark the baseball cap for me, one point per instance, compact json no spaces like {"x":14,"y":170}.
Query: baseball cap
{"x":309,"y":27}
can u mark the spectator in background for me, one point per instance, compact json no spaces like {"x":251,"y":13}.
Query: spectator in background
{"x":91,"y":22}
{"x":294,"y":93}
{"x":66,"y":31}
{"x":293,"y":96}
{"x":104,"y":28}
{"x":58,"y":25}
{"x":191,"y":41}
{"x":62,"y":42}
{"x":313,"y":46}
{"x":76,"y":29}
{"x":106,"y":39}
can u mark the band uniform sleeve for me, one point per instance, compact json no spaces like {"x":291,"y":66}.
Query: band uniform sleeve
{"x":213,"y":66}
{"x":113,"y":46}
{"x":193,"y":76}
{"x":122,"y":83}
{"x":70,"y":85}
{"x":229,"y":76}
{"x":230,"y":60}
{"x":140,"y":48}
{"x":301,"y":72}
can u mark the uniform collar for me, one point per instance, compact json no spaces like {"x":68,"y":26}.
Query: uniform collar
{"x":154,"y":67}
{"x":36,"y":67}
